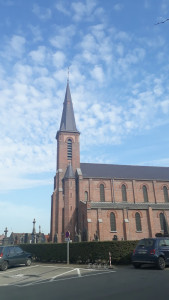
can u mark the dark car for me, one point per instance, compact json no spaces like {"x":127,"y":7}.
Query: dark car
{"x":152,"y":251}
{"x":13,"y":255}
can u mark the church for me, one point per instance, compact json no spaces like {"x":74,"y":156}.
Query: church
{"x":104,"y":202}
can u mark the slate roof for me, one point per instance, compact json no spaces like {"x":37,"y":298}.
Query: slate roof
{"x":90,"y":170}
{"x":68,"y":120}
{"x":69,"y":172}
{"x":115,"y":205}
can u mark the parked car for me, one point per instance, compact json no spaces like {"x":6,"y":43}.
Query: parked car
{"x":13,"y":255}
{"x":151,"y":251}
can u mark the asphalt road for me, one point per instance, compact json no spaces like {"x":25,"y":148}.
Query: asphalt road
{"x":56,"y":282}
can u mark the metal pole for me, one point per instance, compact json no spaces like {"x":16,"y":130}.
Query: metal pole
{"x":68,"y":251}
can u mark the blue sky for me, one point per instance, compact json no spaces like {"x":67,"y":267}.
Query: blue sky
{"x":119,"y":82}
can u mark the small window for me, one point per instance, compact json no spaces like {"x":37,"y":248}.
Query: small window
{"x":112,"y":222}
{"x":124,"y":193}
{"x":165,"y":191}
{"x":86,"y":196}
{"x":138,"y":222}
{"x":102,"y":194}
{"x":69,"y":149}
{"x":145,"y":193}
{"x":162,"y":221}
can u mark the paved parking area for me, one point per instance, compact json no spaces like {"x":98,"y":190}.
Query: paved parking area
{"x":42,"y":273}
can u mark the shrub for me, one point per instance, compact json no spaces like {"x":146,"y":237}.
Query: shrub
{"x":84,"y":252}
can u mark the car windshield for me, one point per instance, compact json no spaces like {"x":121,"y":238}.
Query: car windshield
{"x":146,"y":243}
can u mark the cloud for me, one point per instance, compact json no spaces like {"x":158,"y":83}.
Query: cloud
{"x":59,"y":59}
{"x":63,"y":38}
{"x":164,"y":7}
{"x":83,"y":10}
{"x":98,"y":74}
{"x":42,"y":13}
{"x":37,"y":34}
{"x":61,"y":8}
{"x":39,"y":55}
{"x":133,"y":99}
{"x":118,"y":7}
{"x":16,"y":45}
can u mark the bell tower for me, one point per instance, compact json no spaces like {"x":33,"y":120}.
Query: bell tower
{"x":68,"y":157}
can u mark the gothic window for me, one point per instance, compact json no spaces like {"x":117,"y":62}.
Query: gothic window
{"x":102,"y":195}
{"x":162,"y":221}
{"x":69,"y":149}
{"x":165,"y":191}
{"x":124,"y":193}
{"x":145,"y":193}
{"x":86,"y":196}
{"x":112,"y":222}
{"x":138,"y":222}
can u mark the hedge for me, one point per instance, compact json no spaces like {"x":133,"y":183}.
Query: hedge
{"x":84,"y":252}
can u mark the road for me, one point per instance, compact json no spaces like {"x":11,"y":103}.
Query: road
{"x":51,"y":282}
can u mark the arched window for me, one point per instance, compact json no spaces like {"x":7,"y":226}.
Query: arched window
{"x":165,"y":191}
{"x":69,"y":149}
{"x":145,"y":193}
{"x":162,"y":221}
{"x":124,"y":193}
{"x":102,"y":195}
{"x":112,"y":222}
{"x":138,"y":222}
{"x":86,"y":196}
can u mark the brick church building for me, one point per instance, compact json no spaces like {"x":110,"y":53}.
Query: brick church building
{"x":104,"y":201}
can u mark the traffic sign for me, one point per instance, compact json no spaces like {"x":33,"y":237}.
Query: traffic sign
{"x":67,"y":234}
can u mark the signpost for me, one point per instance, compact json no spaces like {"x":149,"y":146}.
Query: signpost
{"x":68,"y":240}
{"x":110,"y":259}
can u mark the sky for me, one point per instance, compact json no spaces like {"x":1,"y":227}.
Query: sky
{"x":118,"y":60}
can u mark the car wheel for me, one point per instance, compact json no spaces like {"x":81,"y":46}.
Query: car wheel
{"x":28,"y":262}
{"x":161,"y":263}
{"x":137,"y":265}
{"x":4,"y":266}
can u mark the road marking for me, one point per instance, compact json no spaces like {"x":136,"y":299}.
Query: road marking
{"x":53,"y":278}
{"x":24,"y":276}
{"x":61,"y":279}
{"x":78,"y":272}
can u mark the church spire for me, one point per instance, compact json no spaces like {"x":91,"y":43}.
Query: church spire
{"x":68,"y":120}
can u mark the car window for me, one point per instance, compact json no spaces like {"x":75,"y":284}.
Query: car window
{"x":11,"y":251}
{"x":18,"y":250}
{"x":6,"y":250}
{"x":162,"y":243}
{"x":167,"y":242}
{"x":146,"y":243}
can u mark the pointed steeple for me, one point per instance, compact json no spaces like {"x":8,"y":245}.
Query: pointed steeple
{"x":68,"y":120}
{"x":69,"y":172}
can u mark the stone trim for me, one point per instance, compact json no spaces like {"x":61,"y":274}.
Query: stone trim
{"x":135,"y":206}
